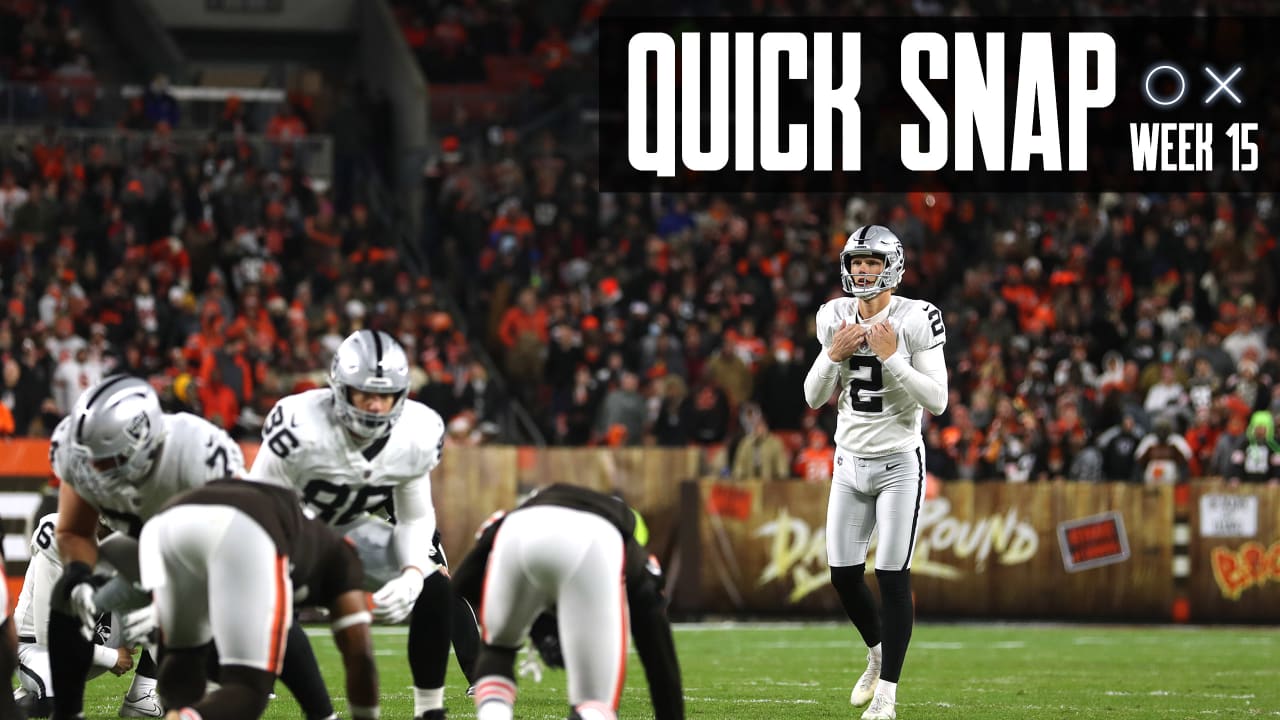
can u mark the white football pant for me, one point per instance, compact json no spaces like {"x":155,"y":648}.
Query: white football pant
{"x":217,"y":575}
{"x":547,"y":555}
{"x":866,"y":493}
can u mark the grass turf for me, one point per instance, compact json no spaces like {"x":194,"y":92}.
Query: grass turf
{"x":967,"y":671}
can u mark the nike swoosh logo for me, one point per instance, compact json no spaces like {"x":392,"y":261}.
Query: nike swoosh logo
{"x":890,"y":468}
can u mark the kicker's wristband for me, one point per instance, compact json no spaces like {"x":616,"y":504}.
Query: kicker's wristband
{"x":359,"y":712}
{"x":357,"y":618}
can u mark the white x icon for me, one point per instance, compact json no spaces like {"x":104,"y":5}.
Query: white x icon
{"x":1224,"y":85}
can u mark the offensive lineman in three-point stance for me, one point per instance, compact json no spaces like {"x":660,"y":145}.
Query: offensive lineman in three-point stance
{"x":885,"y":355}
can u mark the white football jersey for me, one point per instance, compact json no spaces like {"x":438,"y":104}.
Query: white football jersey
{"x":305,"y":446}
{"x":32,"y":611}
{"x":876,"y":414}
{"x":195,"y":451}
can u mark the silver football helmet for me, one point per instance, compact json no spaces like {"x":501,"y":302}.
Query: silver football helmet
{"x":879,"y":241}
{"x":369,"y":361}
{"x":117,"y":431}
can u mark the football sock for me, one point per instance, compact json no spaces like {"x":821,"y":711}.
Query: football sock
{"x":859,"y":604}
{"x":495,"y":697}
{"x":888,"y":691}
{"x":466,"y":637}
{"x":424,"y":700}
{"x":141,"y":686}
{"x":146,"y":666}
{"x":899,"y":614}
{"x":430,"y":628}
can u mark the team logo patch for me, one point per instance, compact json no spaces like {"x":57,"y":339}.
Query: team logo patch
{"x":139,"y":428}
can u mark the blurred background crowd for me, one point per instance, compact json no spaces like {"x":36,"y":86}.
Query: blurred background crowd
{"x":1089,"y":337}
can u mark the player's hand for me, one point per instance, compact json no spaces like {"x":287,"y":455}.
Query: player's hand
{"x":124,"y":662}
{"x":848,"y":339}
{"x":883,"y":340}
{"x":394,"y":601}
{"x":84,"y":608}
{"x":136,"y":626}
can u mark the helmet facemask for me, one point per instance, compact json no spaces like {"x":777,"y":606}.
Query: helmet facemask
{"x":872,"y":241}
{"x":364,"y":424}
{"x":369,"y":361}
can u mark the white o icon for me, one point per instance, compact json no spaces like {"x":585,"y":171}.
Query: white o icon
{"x":1182,"y":85}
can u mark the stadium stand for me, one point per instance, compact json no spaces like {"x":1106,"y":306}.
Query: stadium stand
{"x":1076,"y":322}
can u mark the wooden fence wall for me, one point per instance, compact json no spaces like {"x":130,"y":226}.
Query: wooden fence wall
{"x":984,"y":549}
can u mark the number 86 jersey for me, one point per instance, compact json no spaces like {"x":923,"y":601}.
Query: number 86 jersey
{"x":305,"y":446}
{"x":876,"y":415}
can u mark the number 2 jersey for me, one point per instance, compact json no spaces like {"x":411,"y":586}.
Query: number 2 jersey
{"x":194,"y":452}
{"x":305,"y":446}
{"x":876,"y":415}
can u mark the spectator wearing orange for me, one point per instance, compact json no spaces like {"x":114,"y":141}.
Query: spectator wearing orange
{"x":524,"y":337}
{"x":286,"y":126}
{"x":218,"y":402}
{"x":814,"y":461}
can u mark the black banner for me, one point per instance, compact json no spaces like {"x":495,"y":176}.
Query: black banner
{"x":975,"y":104}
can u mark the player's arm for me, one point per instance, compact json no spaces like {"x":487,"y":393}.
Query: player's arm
{"x":651,"y":632}
{"x":77,"y":532}
{"x":351,"y":635}
{"x":468,"y":577}
{"x":415,"y":526}
{"x":413,"y":543}
{"x":839,"y":342}
{"x":78,"y":547}
{"x":280,"y":446}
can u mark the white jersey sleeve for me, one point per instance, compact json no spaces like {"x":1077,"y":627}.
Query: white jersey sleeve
{"x":289,"y":423}
{"x":924,"y":328}
{"x":415,"y":510}
{"x":32,"y":611}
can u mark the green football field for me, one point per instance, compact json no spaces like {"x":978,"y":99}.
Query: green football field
{"x":969,"y":671}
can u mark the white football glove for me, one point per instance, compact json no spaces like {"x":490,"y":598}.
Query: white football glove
{"x":136,"y":626}
{"x":394,"y":601}
{"x":83,"y":607}
{"x":530,"y":663}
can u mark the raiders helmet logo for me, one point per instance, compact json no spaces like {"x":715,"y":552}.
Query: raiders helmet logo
{"x":139,"y":428}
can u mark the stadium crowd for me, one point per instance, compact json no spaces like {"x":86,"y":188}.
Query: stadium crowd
{"x":1116,"y":336}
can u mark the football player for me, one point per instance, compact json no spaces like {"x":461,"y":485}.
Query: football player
{"x":883,"y":354}
{"x":35,"y":693}
{"x":8,"y":651}
{"x":211,"y":551}
{"x":577,"y":550}
{"x":119,"y":458}
{"x":361,"y":447}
